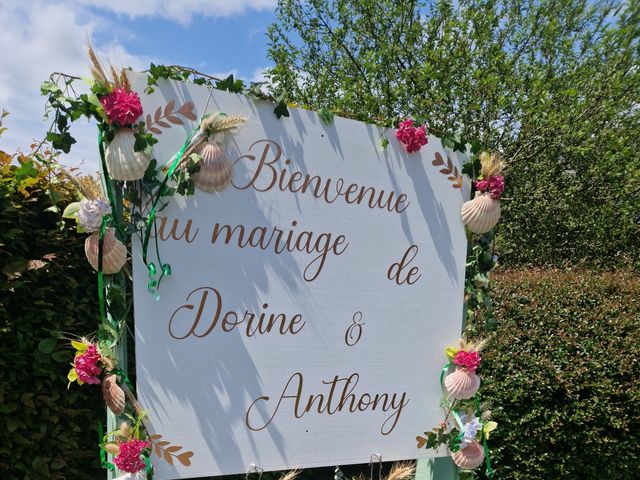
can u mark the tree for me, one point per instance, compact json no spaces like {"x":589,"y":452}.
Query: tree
{"x":553,"y":85}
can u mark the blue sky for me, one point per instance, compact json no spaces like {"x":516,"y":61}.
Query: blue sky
{"x":41,"y":36}
{"x":236,"y":43}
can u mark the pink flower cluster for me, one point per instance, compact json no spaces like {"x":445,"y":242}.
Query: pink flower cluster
{"x":128,"y":459}
{"x":469,"y":360}
{"x":411,"y":137}
{"x":494,"y":185}
{"x":122,"y":107}
{"x":86,"y":365}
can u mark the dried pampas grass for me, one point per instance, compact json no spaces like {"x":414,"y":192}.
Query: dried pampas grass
{"x":88,"y":186}
{"x":490,"y":164}
{"x":290,"y":475}
{"x":118,"y":78}
{"x":476,"y":346}
{"x":402,"y":471}
{"x":217,"y":123}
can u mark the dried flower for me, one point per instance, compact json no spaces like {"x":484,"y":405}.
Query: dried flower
{"x":122,"y":108}
{"x":469,"y":360}
{"x":129,"y":459}
{"x":411,"y":137}
{"x":125,"y":429}
{"x":86,"y":365}
{"x":91,"y":212}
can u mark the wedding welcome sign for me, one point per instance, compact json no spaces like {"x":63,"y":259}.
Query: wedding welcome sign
{"x":309,"y":302}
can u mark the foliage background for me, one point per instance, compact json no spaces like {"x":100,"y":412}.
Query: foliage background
{"x":47,"y":288}
{"x":562,"y":374}
{"x":553,"y":85}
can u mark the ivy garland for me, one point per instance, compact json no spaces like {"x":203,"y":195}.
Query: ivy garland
{"x":114,"y":220}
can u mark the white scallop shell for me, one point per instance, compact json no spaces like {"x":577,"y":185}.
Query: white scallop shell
{"x":462,"y":384}
{"x":216,"y":170}
{"x":480,"y":214}
{"x":469,"y":457}
{"x":114,"y":253}
{"x":122,"y":162}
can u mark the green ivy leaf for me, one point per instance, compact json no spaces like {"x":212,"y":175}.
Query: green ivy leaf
{"x":326,"y":115}
{"x":281,"y":109}
{"x":61,"y":141}
{"x":71,"y":210}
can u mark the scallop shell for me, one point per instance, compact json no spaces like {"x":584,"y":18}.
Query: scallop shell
{"x":462,"y":384}
{"x":469,"y":457}
{"x":216,"y":170}
{"x":122,"y":162}
{"x":114,"y":253}
{"x":113,"y":395}
{"x":480,"y":214}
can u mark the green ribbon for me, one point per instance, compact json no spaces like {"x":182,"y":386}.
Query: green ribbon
{"x":106,"y":464}
{"x":121,"y":373}
{"x":458,"y":440}
{"x":101,"y":286}
{"x":108,"y":186}
{"x":443,"y":374}
{"x":154,"y":284}
{"x":148,"y":467}
{"x":487,"y":457}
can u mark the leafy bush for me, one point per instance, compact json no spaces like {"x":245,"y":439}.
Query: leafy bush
{"x":46,"y":289}
{"x":554,"y":86}
{"x":564,"y":376}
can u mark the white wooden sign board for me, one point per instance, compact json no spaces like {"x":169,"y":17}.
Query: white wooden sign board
{"x":351,"y":365}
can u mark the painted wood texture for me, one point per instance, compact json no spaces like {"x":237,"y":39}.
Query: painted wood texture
{"x":300,"y":327}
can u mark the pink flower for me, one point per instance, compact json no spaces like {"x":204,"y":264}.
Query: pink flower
{"x":86,"y":365}
{"x":482,"y":185}
{"x":128,"y":459}
{"x":411,"y":137}
{"x":469,"y":360}
{"x":496,"y":186}
{"x":122,"y":107}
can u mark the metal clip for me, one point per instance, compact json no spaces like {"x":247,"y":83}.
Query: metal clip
{"x":254,"y":469}
{"x":376,"y":457}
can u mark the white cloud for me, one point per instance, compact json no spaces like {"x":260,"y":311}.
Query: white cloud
{"x":39,"y":38}
{"x":182,"y":11}
{"x":258,"y":75}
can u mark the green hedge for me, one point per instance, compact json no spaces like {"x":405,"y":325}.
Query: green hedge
{"x":563,"y":375}
{"x":46,"y":290}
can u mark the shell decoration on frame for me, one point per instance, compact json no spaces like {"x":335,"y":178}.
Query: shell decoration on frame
{"x":113,"y":395}
{"x":123,"y":163}
{"x":216,"y":170}
{"x":114,"y":253}
{"x":480,"y":214}
{"x":469,"y":457}
{"x":462,"y":384}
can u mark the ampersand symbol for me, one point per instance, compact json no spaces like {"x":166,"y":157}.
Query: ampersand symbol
{"x":354,"y":332}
